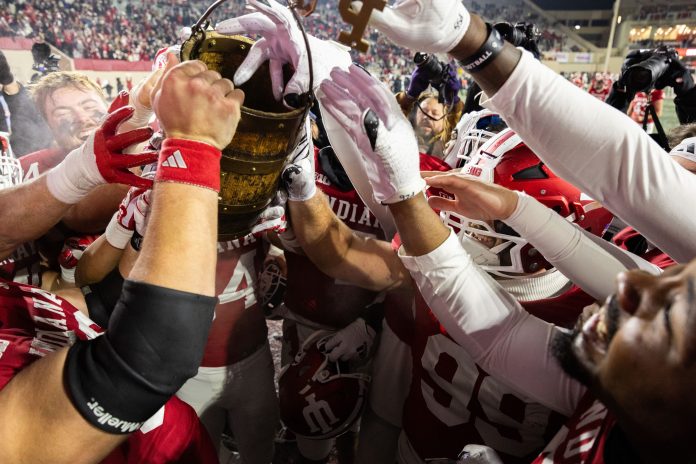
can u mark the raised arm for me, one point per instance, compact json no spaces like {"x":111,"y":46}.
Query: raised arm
{"x":595,"y":147}
{"x":98,"y":161}
{"x":482,"y":317}
{"x":96,"y":392}
{"x":587,"y":260}
{"x":331,"y":245}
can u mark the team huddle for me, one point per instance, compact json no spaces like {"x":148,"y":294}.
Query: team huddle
{"x":527,"y":296}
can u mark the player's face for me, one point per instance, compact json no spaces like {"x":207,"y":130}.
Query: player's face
{"x":638,"y":352}
{"x":433,"y":125}
{"x":72,"y":114}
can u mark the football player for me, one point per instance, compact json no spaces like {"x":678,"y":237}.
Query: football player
{"x":97,"y":390}
{"x":646,"y":327}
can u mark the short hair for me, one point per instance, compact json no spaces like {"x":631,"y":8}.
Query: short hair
{"x":680,"y":133}
{"x":50,"y":83}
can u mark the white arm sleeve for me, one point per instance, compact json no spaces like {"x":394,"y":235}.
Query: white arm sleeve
{"x":602,"y":152}
{"x":490,"y":324}
{"x":588,"y":261}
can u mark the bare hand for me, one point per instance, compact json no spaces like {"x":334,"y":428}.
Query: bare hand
{"x":473,"y":198}
{"x":195,"y":103}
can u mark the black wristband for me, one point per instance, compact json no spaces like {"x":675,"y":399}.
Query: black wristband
{"x":484,"y":55}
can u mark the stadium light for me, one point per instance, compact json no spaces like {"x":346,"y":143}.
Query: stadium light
{"x":577,"y":27}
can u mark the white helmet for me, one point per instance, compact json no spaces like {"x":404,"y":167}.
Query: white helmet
{"x":10,"y":170}
{"x":472,"y":131}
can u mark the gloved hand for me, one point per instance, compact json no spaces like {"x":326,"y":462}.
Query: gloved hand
{"x":385,"y":141}
{"x":676,"y":76}
{"x":70,"y":255}
{"x":130,"y":216}
{"x":419,"y":83}
{"x":272,"y":219}
{"x":354,"y":341}
{"x":283,"y":42}
{"x":99,"y":161}
{"x":433,"y":26}
{"x":6,"y":76}
{"x":451,"y":86}
{"x":297,"y":176}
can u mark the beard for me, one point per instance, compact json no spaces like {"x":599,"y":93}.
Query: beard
{"x":563,"y":344}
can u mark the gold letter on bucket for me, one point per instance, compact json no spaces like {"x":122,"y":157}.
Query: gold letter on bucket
{"x":359,"y":20}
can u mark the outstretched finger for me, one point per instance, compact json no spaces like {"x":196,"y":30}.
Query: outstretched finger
{"x":252,"y":23}
{"x":114,"y":119}
{"x":121,"y":141}
{"x":256,"y":57}
{"x":442,"y":204}
{"x":336,"y":103}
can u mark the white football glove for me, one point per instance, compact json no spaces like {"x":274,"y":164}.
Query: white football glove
{"x":433,"y":26}
{"x":282,"y":43}
{"x":298,"y":173}
{"x":131,"y":216}
{"x":353,"y":341}
{"x":384,"y":138}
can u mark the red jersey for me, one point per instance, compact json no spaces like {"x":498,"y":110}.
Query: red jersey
{"x":34,"y":323}
{"x":35,"y":164}
{"x":238,"y":316}
{"x":453,"y":402}
{"x":600,"y":94}
{"x":583,"y":438}
{"x":23,"y":265}
{"x":640,"y":105}
{"x":316,"y":296}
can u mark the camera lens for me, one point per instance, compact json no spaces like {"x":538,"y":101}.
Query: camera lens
{"x":642,"y":76}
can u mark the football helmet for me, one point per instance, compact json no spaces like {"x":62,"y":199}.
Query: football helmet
{"x":11,"y":172}
{"x":472,"y":131}
{"x":320,"y":399}
{"x":507,"y":161}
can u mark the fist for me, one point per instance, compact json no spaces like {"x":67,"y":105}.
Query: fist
{"x":195,"y":103}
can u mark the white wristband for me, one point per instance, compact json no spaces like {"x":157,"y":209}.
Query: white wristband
{"x":117,"y":235}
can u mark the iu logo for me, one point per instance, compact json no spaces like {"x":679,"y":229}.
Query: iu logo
{"x":318,"y":415}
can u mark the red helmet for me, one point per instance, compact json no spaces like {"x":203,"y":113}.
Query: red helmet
{"x":507,"y":161}
{"x":320,"y":399}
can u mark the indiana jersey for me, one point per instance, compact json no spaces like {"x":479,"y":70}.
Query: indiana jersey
{"x":314,"y":295}
{"x":35,"y":164}
{"x":239,"y":327}
{"x":23,"y":265}
{"x":34,"y":323}
{"x":641,"y":102}
{"x":453,"y":402}
{"x":583,"y":439}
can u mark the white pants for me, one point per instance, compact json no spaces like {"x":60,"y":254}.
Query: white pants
{"x":243,"y":394}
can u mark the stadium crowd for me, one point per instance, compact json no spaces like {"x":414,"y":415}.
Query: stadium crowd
{"x":470,"y":281}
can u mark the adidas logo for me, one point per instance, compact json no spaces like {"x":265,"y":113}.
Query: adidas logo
{"x":175,"y":160}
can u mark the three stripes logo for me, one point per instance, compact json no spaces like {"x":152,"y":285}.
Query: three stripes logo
{"x":175,"y":160}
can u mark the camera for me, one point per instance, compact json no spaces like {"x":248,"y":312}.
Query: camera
{"x":520,"y":34}
{"x":435,"y":70}
{"x":47,"y":66}
{"x":642,"y":76}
